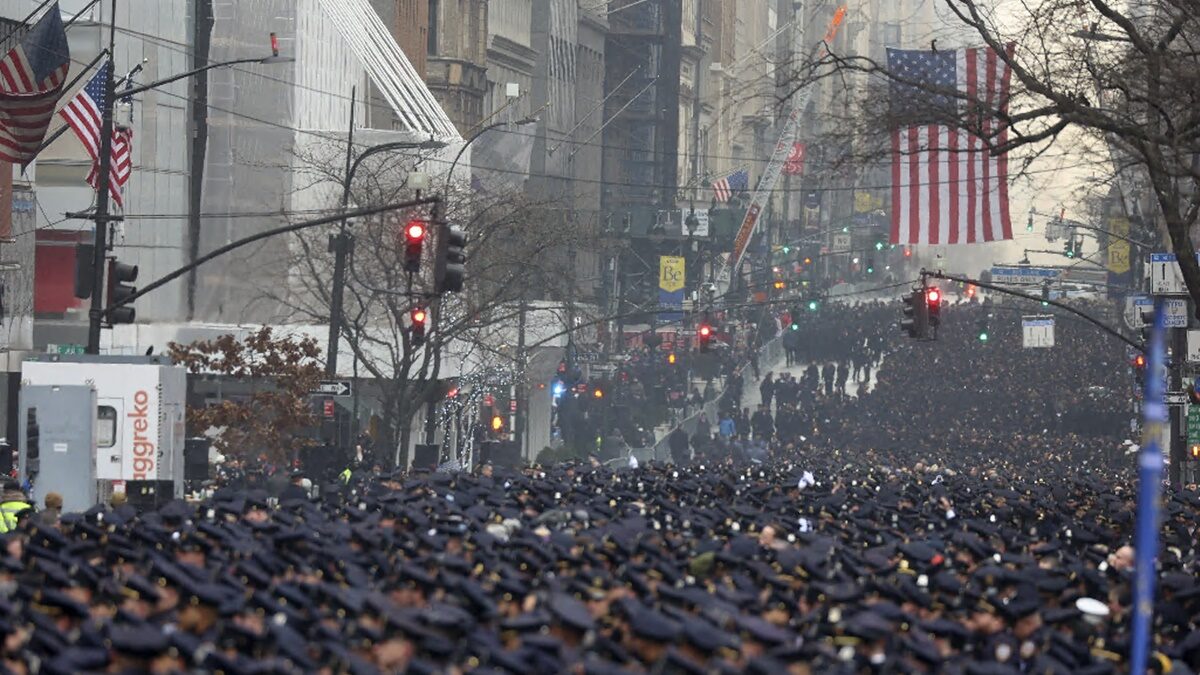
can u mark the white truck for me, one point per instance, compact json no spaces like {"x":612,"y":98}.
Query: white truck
{"x":131,"y":440}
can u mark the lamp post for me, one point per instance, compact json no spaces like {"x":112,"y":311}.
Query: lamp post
{"x":101,"y":217}
{"x":342,"y":242}
{"x":524,"y":121}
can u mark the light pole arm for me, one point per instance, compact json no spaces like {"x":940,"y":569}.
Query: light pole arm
{"x":130,"y":91}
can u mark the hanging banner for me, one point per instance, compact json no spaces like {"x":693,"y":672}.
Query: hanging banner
{"x":671,"y":280}
{"x":1118,"y":249}
{"x":783,"y":149}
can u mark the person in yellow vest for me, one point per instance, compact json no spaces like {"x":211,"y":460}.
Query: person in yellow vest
{"x":13,"y":503}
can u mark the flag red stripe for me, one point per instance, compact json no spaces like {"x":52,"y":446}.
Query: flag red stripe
{"x":955,"y":158}
{"x":1002,"y":163}
{"x":986,"y":125}
{"x":914,"y":182}
{"x":895,"y":238}
{"x":935,"y":186}
{"x":970,"y":155}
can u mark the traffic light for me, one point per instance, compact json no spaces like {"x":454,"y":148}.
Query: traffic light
{"x":418,"y":318}
{"x":1077,"y":246}
{"x":497,"y":424}
{"x":779,"y":285}
{"x":1045,"y":293}
{"x":934,"y":300}
{"x":671,"y":358}
{"x":786,"y":249}
{"x":414,"y":239}
{"x":597,"y":393}
{"x":85,"y":270}
{"x":916,"y":315}
{"x":704,"y":333}
{"x":870,"y":266}
{"x":813,"y":305}
{"x":981,"y":329}
{"x":120,"y":276}
{"x":1195,"y":449}
{"x":1147,"y":326}
{"x":1029,"y":225}
{"x":450,"y":269}
{"x":879,"y":245}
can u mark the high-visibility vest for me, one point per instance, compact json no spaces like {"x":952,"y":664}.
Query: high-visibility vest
{"x":8,"y":514}
{"x":345,"y":476}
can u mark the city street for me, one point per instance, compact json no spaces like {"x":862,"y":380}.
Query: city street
{"x":599,"y":337}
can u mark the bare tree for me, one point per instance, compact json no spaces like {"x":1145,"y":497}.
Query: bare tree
{"x":1100,"y":81}
{"x":518,"y":250}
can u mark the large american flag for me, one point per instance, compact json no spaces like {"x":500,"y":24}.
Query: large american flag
{"x":31,"y":82}
{"x":727,"y":186}
{"x":84,"y":114}
{"x":947,"y":188}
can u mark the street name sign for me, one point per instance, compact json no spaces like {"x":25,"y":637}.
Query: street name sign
{"x":1174,"y":398}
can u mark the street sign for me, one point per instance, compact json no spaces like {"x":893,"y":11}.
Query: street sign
{"x":1193,"y":425}
{"x":1037,"y":331}
{"x":330,"y":411}
{"x":333,"y":388}
{"x":1193,"y":346}
{"x":1175,"y":313}
{"x":841,"y":243}
{"x":1165,"y":277}
{"x":588,"y":357}
{"x":1022,"y":275}
{"x":1134,"y":306}
{"x":65,"y":349}
{"x":1175,"y":398}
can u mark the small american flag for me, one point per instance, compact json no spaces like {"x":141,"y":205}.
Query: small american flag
{"x":84,"y":114}
{"x":31,"y":81}
{"x":726,"y":187}
{"x":119,"y":168}
{"x":947,"y":188}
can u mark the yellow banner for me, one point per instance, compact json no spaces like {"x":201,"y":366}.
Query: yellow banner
{"x":1118,"y":249}
{"x":671,"y":273}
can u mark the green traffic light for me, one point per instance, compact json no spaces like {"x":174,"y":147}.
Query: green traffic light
{"x":879,"y":246}
{"x":846,"y":228}
{"x":787,"y":249}
{"x":812,"y":305}
{"x":983,"y":337}
{"x":795,"y":327}
{"x":870,"y":270}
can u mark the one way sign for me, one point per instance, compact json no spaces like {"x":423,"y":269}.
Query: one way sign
{"x":332,"y":388}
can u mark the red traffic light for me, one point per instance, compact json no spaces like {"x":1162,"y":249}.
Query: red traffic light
{"x":934,"y":296}
{"x":1139,"y":361}
{"x":415,"y":230}
{"x":705,"y":331}
{"x":418,"y":315}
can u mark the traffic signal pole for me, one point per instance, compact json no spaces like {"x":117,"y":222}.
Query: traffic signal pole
{"x":1178,"y":449}
{"x":101,"y":217}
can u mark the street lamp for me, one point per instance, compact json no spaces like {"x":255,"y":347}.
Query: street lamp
{"x":341,"y":242}
{"x":101,"y":216}
{"x":524,"y":121}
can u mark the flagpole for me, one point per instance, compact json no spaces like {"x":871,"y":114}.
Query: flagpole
{"x":101,"y":217}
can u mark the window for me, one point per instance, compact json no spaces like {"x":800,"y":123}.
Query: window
{"x":432,"y":42}
{"x":106,"y":426}
{"x":891,"y":35}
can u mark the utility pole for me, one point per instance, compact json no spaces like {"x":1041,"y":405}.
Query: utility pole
{"x":340,"y":244}
{"x":101,"y":217}
{"x":1178,"y":448}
